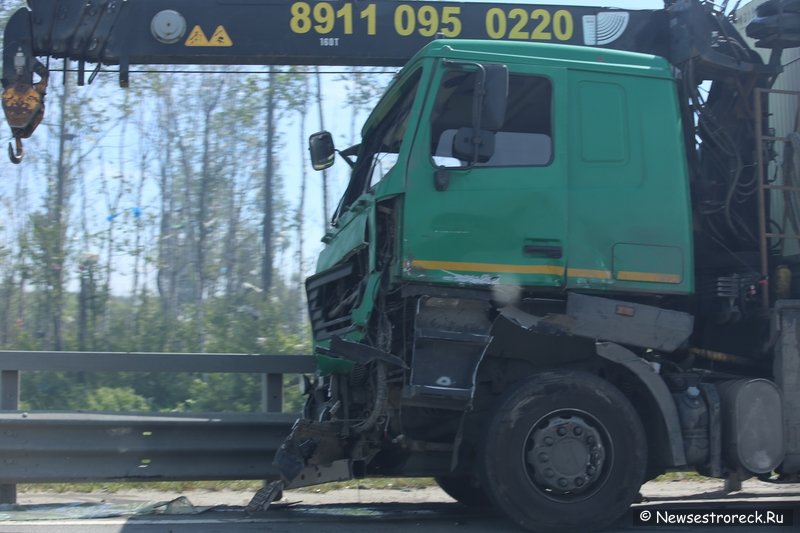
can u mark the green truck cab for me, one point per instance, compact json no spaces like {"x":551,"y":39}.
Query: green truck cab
{"x":583,"y":185}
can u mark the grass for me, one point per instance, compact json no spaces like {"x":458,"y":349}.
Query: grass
{"x":241,"y":486}
{"x":395,"y":483}
{"x":682,"y":476}
{"x":391,"y":483}
{"x":120,"y":486}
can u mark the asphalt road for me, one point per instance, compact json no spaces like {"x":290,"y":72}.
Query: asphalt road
{"x":428,"y":511}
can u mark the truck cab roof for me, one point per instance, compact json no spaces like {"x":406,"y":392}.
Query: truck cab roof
{"x":554,"y":55}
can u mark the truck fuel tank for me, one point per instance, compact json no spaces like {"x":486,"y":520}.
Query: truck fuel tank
{"x":752,"y":425}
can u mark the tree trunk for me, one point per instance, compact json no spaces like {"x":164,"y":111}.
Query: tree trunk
{"x":326,"y":219}
{"x":300,"y":217}
{"x":203,"y":201}
{"x":269,"y":183}
{"x":231,"y":242}
{"x":166,"y":277}
{"x":60,"y":226}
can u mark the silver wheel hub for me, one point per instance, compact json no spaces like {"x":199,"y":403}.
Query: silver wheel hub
{"x":565,"y":455}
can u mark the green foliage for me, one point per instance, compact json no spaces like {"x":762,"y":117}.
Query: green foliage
{"x":245,"y":324}
{"x":115,"y":399}
{"x":53,"y":391}
{"x":163,"y":189}
{"x":224,"y":393}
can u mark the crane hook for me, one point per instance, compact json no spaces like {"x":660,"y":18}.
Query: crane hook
{"x":15,"y":156}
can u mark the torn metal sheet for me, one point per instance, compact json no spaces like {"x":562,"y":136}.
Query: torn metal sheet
{"x":74,"y":511}
{"x":605,"y":319}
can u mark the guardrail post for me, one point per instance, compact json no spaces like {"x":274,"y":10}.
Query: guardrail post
{"x":272,"y":393}
{"x":9,"y":401}
{"x":271,"y":400}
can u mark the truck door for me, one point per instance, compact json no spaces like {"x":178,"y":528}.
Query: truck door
{"x":501,"y":220}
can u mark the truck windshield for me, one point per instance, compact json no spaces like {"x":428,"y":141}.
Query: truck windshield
{"x":382,"y":142}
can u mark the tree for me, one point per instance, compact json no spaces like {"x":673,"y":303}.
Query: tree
{"x":297,"y":100}
{"x":179,"y":179}
{"x":269,"y":189}
{"x":325,"y":217}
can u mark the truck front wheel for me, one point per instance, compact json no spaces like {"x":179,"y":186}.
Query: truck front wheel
{"x":564,"y":451}
{"x":464,"y":491}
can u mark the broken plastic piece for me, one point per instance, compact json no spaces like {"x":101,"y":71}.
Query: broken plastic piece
{"x":264,"y":497}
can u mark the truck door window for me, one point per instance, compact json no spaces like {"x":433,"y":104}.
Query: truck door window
{"x":526,"y":136}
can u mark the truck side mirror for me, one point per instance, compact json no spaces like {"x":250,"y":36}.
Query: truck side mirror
{"x":489,"y":101}
{"x":321,"y":149}
{"x":492,"y":86}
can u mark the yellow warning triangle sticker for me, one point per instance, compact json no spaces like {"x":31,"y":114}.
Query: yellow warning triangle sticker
{"x":220,"y":38}
{"x":197,"y":38}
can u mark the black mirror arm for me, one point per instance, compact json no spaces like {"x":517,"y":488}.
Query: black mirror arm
{"x":343,"y":155}
{"x":477,"y":111}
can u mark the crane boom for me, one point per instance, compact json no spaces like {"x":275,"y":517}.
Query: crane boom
{"x":303,"y":32}
{"x":377,"y":32}
{"x":264,"y":32}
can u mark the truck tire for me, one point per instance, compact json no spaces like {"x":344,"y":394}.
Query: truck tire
{"x":773,"y":25}
{"x":464,"y":491}
{"x":774,"y":7}
{"x":565,"y":451}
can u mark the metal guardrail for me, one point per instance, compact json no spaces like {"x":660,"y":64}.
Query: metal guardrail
{"x":82,"y":446}
{"x":58,"y":447}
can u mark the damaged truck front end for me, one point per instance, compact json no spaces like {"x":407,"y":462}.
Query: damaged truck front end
{"x":349,"y":402}
{"x":397,"y":357}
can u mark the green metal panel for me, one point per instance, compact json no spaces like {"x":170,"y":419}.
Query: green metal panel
{"x":604,"y":132}
{"x":613,"y":198}
{"x":475,"y":232}
{"x":333,"y":365}
{"x":347,"y":236}
{"x":618,"y":175}
{"x":554,"y":55}
{"x":630,"y":214}
{"x":646,"y":263}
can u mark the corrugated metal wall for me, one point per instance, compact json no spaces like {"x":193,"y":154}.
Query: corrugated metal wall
{"x":784,"y":120}
{"x":784,"y":110}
